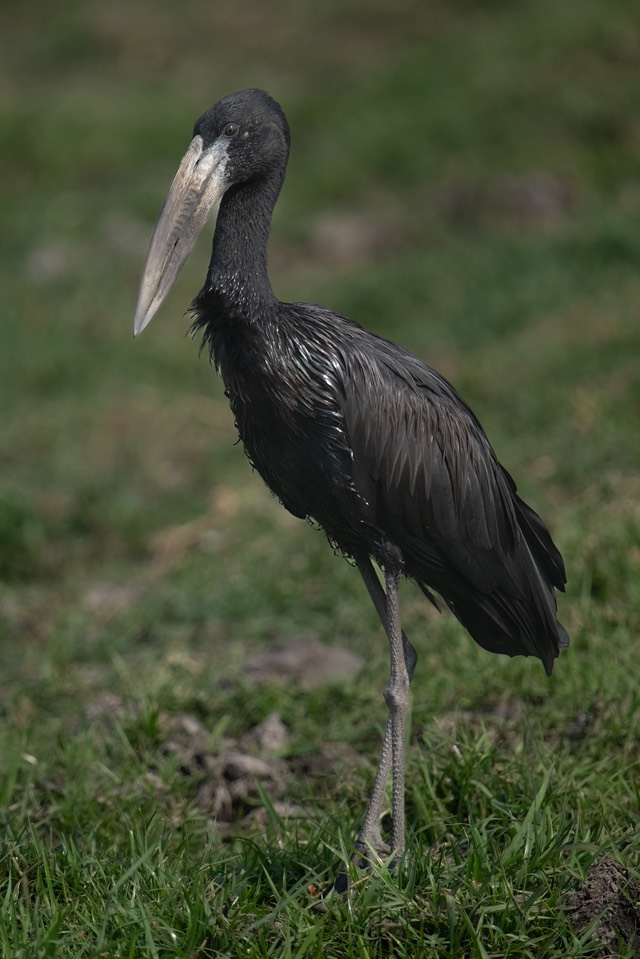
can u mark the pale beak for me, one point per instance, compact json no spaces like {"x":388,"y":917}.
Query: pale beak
{"x":196,"y":188}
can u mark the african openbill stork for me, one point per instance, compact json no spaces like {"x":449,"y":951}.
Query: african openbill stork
{"x":351,"y":430}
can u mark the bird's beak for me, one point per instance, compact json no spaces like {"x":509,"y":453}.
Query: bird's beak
{"x":197,"y":186}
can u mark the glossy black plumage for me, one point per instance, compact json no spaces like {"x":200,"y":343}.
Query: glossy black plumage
{"x":349,"y":429}
{"x":346,"y":427}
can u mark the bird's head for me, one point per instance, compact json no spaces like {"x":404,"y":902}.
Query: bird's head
{"x":244,"y":137}
{"x":249,"y":131}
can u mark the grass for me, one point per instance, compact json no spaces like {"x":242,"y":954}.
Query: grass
{"x":487,"y":153}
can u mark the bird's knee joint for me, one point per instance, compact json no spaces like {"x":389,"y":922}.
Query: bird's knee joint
{"x":396,"y":694}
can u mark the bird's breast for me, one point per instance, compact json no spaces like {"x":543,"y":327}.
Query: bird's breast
{"x":299,"y":445}
{"x":286,"y":391}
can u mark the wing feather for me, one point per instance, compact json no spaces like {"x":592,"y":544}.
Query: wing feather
{"x":438,"y":491}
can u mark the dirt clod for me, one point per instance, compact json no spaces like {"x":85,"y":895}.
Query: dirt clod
{"x":610,"y":898}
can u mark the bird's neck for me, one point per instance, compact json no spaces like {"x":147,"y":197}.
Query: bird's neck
{"x":238,"y":270}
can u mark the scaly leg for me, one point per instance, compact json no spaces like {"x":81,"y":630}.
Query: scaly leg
{"x":396,"y":695}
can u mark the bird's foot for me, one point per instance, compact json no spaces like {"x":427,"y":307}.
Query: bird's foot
{"x":368,"y":852}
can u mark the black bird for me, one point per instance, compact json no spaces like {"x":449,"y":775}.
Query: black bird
{"x":351,"y":430}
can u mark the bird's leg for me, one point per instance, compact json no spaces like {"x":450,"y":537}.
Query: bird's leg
{"x":396,"y":697}
{"x":370,"y":837}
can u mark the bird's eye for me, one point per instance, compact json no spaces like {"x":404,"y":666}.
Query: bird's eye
{"x":230,"y":129}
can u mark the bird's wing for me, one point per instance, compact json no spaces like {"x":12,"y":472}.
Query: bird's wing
{"x":426,"y":467}
{"x":435,"y":488}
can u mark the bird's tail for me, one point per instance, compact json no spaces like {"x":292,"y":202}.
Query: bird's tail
{"x":519,"y":615}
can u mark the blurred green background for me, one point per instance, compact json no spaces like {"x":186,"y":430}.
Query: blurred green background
{"x":464,"y":179}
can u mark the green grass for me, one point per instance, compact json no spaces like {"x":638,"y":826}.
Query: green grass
{"x":490,"y":149}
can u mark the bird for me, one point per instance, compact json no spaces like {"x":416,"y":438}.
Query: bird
{"x":352,"y":432}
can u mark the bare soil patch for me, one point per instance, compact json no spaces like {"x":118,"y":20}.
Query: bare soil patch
{"x":609,"y":898}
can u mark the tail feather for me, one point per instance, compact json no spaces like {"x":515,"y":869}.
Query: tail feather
{"x":518,"y":616}
{"x":544,"y":551}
